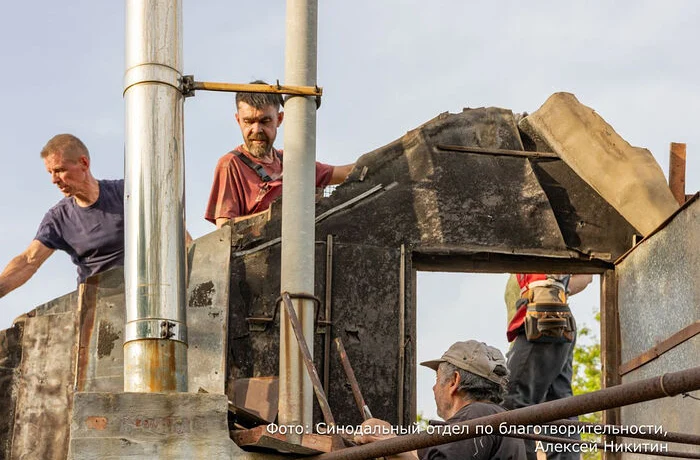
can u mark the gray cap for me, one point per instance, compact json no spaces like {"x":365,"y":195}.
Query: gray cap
{"x":475,"y":357}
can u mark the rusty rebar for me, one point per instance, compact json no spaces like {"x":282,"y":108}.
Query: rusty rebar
{"x":670,"y":384}
{"x":354,"y":386}
{"x":613,"y":447}
{"x":614,"y":430}
{"x":308,"y":360}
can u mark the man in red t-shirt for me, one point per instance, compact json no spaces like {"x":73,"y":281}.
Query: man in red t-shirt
{"x":249,"y":178}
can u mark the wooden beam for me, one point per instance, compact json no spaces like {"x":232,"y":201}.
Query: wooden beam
{"x":676,"y":172}
{"x":610,"y":356}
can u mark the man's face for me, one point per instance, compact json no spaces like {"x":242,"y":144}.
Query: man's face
{"x":442,"y":395}
{"x":68,"y":175}
{"x":259,"y":127}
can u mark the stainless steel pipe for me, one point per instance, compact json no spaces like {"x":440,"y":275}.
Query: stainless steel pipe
{"x":155,"y":342}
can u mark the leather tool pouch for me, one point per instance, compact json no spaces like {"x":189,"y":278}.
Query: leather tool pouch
{"x":549,"y":322}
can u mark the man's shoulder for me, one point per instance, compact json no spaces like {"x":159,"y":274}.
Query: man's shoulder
{"x":59,"y":212}
{"x":112,"y":184}
{"x":229,"y":157}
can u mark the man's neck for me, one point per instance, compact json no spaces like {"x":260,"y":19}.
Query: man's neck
{"x":89,"y":194}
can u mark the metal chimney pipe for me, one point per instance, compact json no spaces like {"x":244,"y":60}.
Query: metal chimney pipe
{"x":155,"y":342}
{"x":298,"y":210}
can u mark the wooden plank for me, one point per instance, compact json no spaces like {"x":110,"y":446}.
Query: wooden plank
{"x":610,"y":355}
{"x":506,"y":152}
{"x":661,"y":348}
{"x":262,"y":437}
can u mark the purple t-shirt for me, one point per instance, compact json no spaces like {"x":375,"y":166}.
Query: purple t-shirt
{"x":92,"y":236}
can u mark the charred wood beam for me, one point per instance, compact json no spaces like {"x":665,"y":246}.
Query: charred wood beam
{"x":454,"y":260}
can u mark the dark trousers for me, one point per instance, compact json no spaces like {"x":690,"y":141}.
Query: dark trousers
{"x":539,"y":372}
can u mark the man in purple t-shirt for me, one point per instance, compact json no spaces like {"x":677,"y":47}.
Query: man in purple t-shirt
{"x":88,"y":223}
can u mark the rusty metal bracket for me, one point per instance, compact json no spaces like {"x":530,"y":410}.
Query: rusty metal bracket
{"x":660,"y":348}
{"x":260,"y":323}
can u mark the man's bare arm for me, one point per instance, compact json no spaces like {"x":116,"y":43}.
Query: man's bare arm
{"x":340,"y":173}
{"x":22,"y":267}
{"x":220,"y":221}
{"x":578,"y":283}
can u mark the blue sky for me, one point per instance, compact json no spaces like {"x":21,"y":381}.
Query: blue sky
{"x":386,"y":67}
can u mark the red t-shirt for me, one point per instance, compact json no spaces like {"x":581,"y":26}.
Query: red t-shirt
{"x":239,"y":191}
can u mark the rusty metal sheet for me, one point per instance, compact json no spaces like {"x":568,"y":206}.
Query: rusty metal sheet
{"x":100,"y":351}
{"x":657,"y":277}
{"x":10,"y":358}
{"x":673,"y":414}
{"x":207,"y":311}
{"x":258,"y":395}
{"x":658,"y":296}
{"x":365,"y":300}
{"x":44,"y":398}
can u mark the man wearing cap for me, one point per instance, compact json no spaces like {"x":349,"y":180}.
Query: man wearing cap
{"x":470,"y":383}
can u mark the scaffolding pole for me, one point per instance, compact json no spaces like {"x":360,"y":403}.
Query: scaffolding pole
{"x":298,"y":210}
{"x":670,"y":384}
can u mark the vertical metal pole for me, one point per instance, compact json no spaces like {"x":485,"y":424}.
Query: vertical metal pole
{"x":298,"y":210}
{"x":328,"y":318}
{"x":610,"y":355}
{"x":402,"y":334}
{"x":676,"y":171}
{"x":155,"y":342}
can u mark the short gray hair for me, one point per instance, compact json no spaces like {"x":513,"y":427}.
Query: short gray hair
{"x":67,"y":145}
{"x":260,"y":100}
{"x":474,"y":386}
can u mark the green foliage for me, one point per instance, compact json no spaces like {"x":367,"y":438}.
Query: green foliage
{"x":587,"y":376}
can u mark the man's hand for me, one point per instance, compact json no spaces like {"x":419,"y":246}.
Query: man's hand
{"x":22,"y":267}
{"x":340,"y":173}
{"x":380,"y":430}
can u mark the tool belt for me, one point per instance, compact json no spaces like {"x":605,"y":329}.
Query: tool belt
{"x":549,"y":322}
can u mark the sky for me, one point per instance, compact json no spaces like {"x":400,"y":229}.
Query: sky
{"x":385,"y":66}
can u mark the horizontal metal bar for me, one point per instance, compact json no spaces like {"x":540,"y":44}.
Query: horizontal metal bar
{"x":613,"y":447}
{"x":257,"y":88}
{"x":669,"y":384}
{"x":614,"y":430}
{"x":660,"y":348}
{"x":319,"y":218}
{"x":504,"y":152}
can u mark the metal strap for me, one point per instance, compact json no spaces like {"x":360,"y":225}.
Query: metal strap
{"x":258,"y":168}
